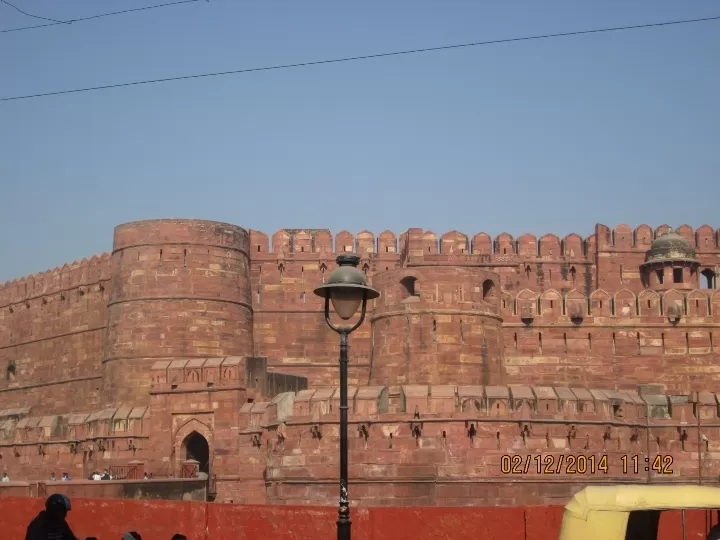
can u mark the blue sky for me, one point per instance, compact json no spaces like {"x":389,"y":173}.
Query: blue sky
{"x":541,"y":136}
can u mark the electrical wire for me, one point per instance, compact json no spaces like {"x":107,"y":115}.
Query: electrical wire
{"x":355,"y":58}
{"x":111,"y":14}
{"x":30,"y":14}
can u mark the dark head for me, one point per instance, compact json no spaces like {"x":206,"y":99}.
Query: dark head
{"x":57,"y":506}
{"x":179,"y":536}
{"x":132,"y":535}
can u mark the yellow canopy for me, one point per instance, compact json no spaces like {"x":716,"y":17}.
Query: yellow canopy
{"x":603,"y":511}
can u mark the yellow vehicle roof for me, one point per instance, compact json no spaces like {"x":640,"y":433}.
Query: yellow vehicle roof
{"x":625,"y":498}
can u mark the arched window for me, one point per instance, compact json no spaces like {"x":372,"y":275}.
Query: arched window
{"x":488,"y":290}
{"x":408,"y":284}
{"x":708,"y":279}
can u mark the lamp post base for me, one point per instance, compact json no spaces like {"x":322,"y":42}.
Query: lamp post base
{"x":343,"y":529}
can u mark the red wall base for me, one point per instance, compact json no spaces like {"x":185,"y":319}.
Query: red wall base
{"x":159,"y":520}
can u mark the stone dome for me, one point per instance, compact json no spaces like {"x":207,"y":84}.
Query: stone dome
{"x":669,"y":247}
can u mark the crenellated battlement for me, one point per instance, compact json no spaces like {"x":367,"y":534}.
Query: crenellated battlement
{"x":622,"y":237}
{"x":418,"y":403}
{"x":75,"y":432}
{"x":84,"y":272}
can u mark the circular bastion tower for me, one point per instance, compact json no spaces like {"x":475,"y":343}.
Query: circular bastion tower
{"x":180,"y":288}
{"x":437,"y":325}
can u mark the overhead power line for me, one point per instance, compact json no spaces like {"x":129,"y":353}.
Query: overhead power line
{"x":111,"y":14}
{"x":355,"y":58}
{"x":30,"y":14}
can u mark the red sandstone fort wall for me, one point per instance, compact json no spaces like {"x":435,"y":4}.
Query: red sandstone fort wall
{"x":52,"y":336}
{"x":624,"y":333}
{"x":179,"y":289}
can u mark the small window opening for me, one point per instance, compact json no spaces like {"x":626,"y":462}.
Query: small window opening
{"x":504,"y":251}
{"x":638,"y":342}
{"x":503,"y":303}
{"x":552,"y":304}
{"x":614,"y":348}
{"x":515,"y":342}
{"x":527,"y":271}
{"x":540,"y":349}
{"x":161,"y":255}
{"x":185,"y":257}
{"x":600,"y":304}
{"x":649,"y":306}
{"x":677,"y":275}
{"x":662,"y":341}
{"x":707,"y":279}
{"x":258,"y":249}
{"x":590,"y":342}
{"x":565,"y":342}
{"x":687,"y":342}
{"x":572,"y":274}
{"x":387,"y":249}
{"x":697,"y":304}
{"x":408,"y":284}
{"x":488,"y":289}
{"x":10,"y":372}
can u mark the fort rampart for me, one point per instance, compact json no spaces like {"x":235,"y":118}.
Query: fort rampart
{"x":481,"y":352}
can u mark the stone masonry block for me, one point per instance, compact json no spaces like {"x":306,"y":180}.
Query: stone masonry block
{"x":547,"y":400}
{"x":497,"y":400}
{"x":371,"y":400}
{"x":443,"y":399}
{"x":416,"y":398}
{"x":471,"y":398}
{"x":301,"y":405}
{"x":321,"y":403}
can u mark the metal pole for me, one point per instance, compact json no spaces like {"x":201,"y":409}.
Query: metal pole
{"x":343,"y":523}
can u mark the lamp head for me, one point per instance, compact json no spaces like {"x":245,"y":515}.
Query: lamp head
{"x":346,"y":287}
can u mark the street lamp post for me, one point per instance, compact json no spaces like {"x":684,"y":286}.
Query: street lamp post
{"x":348,"y":290}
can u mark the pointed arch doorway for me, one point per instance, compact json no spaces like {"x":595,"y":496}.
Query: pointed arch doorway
{"x":195,"y":447}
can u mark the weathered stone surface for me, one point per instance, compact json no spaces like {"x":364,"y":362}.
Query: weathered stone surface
{"x":479,"y":355}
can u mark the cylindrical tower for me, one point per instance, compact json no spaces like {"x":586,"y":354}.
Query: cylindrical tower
{"x":180,"y":288}
{"x":437,"y":325}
